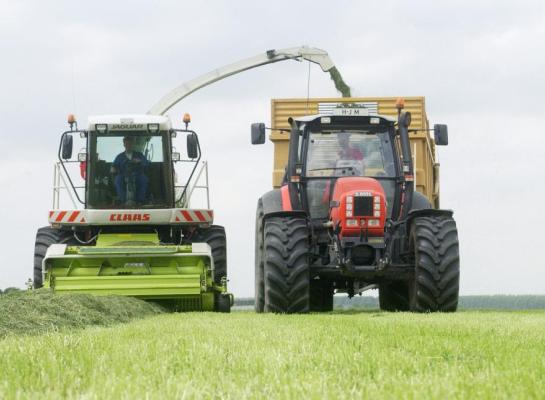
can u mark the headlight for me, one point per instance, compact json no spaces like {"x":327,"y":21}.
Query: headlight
{"x":373,"y":222}
{"x":101,"y":128}
{"x":153,"y":128}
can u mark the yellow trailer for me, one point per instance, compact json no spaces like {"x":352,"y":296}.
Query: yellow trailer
{"x":422,"y":144}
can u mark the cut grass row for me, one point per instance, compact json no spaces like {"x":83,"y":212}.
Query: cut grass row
{"x":245,"y":355}
{"x":40,"y":311}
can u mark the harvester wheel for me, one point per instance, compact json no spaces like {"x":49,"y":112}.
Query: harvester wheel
{"x":223,"y":303}
{"x":216,"y":239}
{"x":321,"y":295}
{"x":259,"y":261}
{"x":434,"y":241}
{"x":393,"y":296}
{"x":45,"y":237}
{"x":286,"y":268}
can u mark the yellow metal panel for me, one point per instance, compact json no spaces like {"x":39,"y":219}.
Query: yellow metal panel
{"x":422,"y":144}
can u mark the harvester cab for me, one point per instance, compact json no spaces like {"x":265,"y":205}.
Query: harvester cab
{"x":347,"y":218}
{"x":134,"y":231}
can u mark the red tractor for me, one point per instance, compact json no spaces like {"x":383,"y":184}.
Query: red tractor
{"x":347,"y":219}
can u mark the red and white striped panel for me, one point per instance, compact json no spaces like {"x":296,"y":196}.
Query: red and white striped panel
{"x":66,"y":217}
{"x":194,"y":216}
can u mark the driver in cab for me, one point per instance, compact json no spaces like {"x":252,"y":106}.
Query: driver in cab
{"x":126,"y":165}
{"x":347,"y":152}
{"x":345,"y":160}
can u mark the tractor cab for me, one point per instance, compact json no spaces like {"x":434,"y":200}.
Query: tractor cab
{"x":129,"y":167}
{"x":332,"y":149}
{"x":325,"y":150}
{"x":128,"y":162}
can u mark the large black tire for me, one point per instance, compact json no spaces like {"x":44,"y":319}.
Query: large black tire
{"x":259,"y":261}
{"x":286,"y":268}
{"x":435,"y":287}
{"x":222,"y":303}
{"x":393,"y":296}
{"x":216,"y":239}
{"x":321,"y":295}
{"x":45,"y":237}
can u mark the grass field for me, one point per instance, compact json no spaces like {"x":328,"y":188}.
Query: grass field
{"x":354,"y":355}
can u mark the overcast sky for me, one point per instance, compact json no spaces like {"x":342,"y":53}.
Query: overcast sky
{"x":480,"y":65}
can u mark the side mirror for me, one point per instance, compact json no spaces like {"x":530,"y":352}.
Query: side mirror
{"x":67,"y":146}
{"x":258,"y":133}
{"x":192,"y":146}
{"x":440,"y":133}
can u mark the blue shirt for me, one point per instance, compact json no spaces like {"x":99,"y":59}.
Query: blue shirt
{"x":121,"y":163}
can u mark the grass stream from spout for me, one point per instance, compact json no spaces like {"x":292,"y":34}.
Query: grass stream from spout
{"x":340,"y":84}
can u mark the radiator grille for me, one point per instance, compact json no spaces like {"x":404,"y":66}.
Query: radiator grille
{"x":363,"y":206}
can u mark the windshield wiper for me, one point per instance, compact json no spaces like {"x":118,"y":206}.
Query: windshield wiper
{"x":323,"y":169}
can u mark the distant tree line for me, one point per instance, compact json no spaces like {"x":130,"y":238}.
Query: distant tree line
{"x":9,"y":290}
{"x":492,"y":302}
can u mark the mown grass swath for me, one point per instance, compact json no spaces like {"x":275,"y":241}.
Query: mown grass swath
{"x":41,"y":311}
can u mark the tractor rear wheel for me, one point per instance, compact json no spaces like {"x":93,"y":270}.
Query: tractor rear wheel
{"x":216,"y":239}
{"x":286,"y":267}
{"x":321,"y":295}
{"x":259,"y":261}
{"x":435,"y":287}
{"x":393,"y":296}
{"x":45,"y":237}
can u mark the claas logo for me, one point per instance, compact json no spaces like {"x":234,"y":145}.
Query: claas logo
{"x":130,"y":217}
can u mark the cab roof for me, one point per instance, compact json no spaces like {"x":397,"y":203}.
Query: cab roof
{"x":321,"y":121}
{"x":314,"y":117}
{"x":128,"y":122}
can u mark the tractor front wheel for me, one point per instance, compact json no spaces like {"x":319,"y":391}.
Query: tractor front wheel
{"x":286,"y":265}
{"x":434,"y":241}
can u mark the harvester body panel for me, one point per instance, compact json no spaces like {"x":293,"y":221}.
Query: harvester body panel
{"x":134,"y":265}
{"x":169,"y":216}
